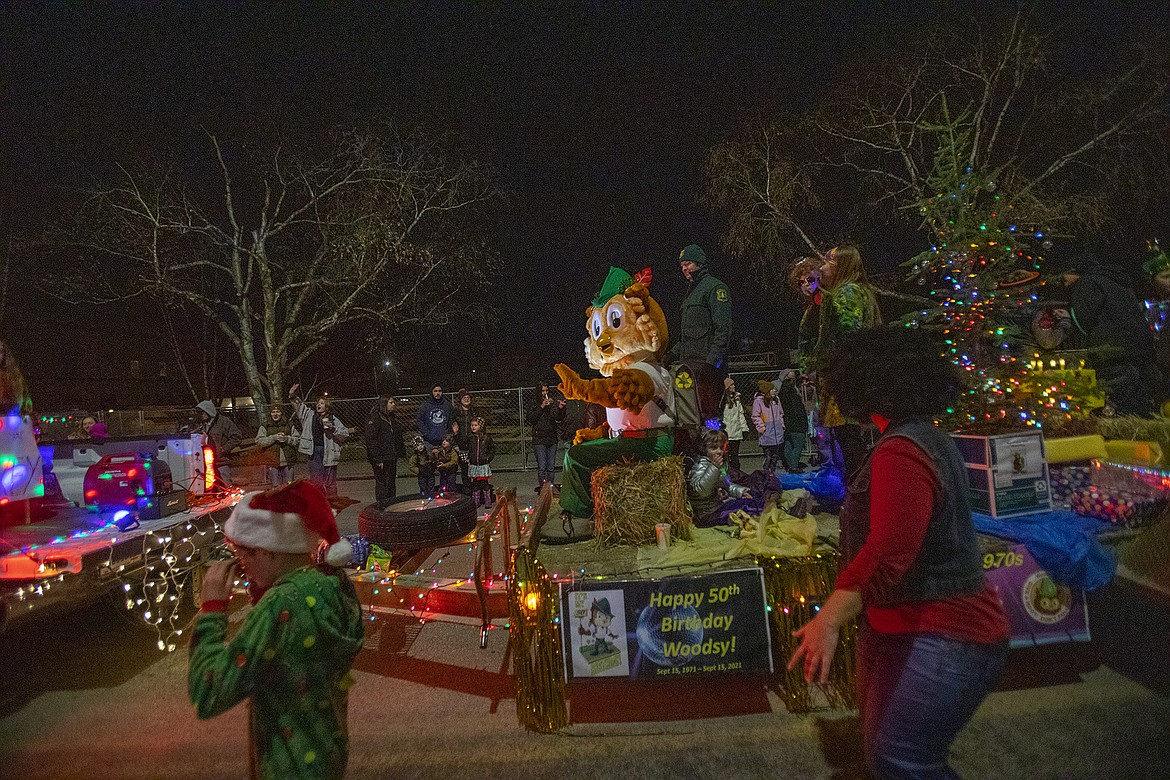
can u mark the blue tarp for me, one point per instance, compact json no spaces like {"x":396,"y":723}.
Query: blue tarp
{"x":823,"y":483}
{"x":1064,"y":543}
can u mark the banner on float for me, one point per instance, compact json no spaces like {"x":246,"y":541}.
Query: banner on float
{"x":708,"y":624}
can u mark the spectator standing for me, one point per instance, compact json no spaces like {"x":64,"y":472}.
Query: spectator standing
{"x":422,"y":466}
{"x":279,"y":448}
{"x":934,"y":636}
{"x":795,"y":421}
{"x":291,"y":656}
{"x":768,"y":417}
{"x":481,"y":450}
{"x":848,"y":304}
{"x":384,"y":446}
{"x":222,"y":435}
{"x":734,"y":421}
{"x":706,"y":331}
{"x":435,"y":417}
{"x":546,"y":415}
{"x":322,"y":435}
{"x":805,"y":280}
{"x":91,"y":430}
{"x":1121,"y":345}
{"x":461,"y":429}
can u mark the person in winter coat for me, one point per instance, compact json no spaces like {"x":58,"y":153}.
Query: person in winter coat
{"x":435,"y":416}
{"x":446,"y":462}
{"x":546,"y":415}
{"x":795,"y":421}
{"x":322,"y":435}
{"x":290,"y":658}
{"x":279,"y":447}
{"x":734,"y":421}
{"x":461,"y":430}
{"x":768,"y":417}
{"x":708,"y":485}
{"x":384,"y":446}
{"x":1121,"y":346}
{"x":222,"y":435}
{"x":849,"y":304}
{"x":705,"y":334}
{"x":422,"y":466}
{"x":481,"y":450}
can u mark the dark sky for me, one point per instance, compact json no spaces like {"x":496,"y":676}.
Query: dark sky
{"x":597,"y":116}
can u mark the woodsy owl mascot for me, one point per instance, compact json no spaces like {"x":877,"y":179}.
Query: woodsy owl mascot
{"x":627,"y":339}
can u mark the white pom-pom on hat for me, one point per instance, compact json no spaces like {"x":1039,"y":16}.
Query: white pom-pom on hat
{"x":295,"y":518}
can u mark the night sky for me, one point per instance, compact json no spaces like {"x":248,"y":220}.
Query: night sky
{"x":596,"y":116}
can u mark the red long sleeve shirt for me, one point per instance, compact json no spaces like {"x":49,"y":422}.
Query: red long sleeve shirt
{"x":903,"y":494}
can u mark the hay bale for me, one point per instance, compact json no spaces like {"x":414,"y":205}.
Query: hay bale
{"x":629,"y":499}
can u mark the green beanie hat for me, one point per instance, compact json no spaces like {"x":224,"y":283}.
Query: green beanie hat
{"x":693,"y":253}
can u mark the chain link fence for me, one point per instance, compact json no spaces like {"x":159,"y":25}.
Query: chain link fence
{"x":505,"y":411}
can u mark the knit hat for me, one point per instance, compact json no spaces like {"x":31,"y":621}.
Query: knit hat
{"x":463,"y":391}
{"x":207,"y":406}
{"x":764,"y":386}
{"x":294,"y":518}
{"x":693,"y":253}
{"x":785,"y":373}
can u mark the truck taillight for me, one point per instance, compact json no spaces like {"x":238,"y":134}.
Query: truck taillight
{"x":208,"y":469}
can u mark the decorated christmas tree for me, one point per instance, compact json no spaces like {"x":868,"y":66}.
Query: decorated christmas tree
{"x":982,"y":286}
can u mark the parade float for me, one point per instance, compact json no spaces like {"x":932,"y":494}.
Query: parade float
{"x":127,"y":519}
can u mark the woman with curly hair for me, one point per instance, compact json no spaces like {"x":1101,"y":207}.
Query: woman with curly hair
{"x":934,"y":636}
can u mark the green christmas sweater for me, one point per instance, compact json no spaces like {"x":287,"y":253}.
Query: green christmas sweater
{"x":291,"y":660}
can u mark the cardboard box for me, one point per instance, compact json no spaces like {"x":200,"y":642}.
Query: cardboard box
{"x":1040,"y":610}
{"x":1007,"y":474}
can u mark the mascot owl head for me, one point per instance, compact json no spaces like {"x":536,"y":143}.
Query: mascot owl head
{"x":624,"y":324}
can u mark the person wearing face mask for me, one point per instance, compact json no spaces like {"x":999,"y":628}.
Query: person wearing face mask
{"x":279,"y":447}
{"x":322,"y":435}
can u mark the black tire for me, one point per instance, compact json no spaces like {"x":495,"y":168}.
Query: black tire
{"x":410,"y":522}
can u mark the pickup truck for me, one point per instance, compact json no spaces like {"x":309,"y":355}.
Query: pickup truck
{"x":57,"y":554}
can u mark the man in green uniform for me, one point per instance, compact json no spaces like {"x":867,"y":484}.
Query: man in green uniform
{"x":705,"y":333}
{"x":291,"y":657}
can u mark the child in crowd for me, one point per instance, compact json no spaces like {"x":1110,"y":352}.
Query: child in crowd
{"x":734,"y":421}
{"x":768,"y":416}
{"x":707,"y":483}
{"x":291,"y":656}
{"x":445,"y":459}
{"x":422,"y":466}
{"x":480,"y":452}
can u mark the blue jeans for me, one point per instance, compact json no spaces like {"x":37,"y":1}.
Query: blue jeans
{"x":546,"y":462}
{"x":794,"y":442}
{"x":915,"y":693}
{"x":279,"y":475}
{"x":324,"y":477}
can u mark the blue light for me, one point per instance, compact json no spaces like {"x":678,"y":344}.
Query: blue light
{"x":121,"y":513}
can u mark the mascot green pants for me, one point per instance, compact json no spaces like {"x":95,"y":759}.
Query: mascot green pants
{"x":581,"y":460}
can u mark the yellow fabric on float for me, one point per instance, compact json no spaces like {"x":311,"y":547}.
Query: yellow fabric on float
{"x":1072,"y":448}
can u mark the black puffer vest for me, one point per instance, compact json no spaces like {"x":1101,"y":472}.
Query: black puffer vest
{"x":949,"y":563}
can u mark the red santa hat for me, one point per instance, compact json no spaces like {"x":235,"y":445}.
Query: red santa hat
{"x":295,"y":518}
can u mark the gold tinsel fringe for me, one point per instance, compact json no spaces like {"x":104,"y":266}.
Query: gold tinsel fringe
{"x":535,"y":642}
{"x":795,"y":587}
{"x":629,"y":498}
